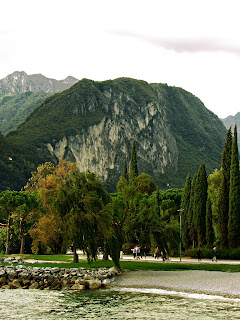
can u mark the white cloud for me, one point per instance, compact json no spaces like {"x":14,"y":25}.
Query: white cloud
{"x":194,"y":45}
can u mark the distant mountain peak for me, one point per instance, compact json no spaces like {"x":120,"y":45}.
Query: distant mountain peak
{"x":19,"y":81}
{"x":70,"y":79}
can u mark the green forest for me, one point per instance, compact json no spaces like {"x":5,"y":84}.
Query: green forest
{"x":60,"y":207}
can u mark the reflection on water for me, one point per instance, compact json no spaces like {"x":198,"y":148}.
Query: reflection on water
{"x":110,"y":304}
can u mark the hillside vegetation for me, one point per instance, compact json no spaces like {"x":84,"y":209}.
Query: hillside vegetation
{"x":136,"y":110}
{"x":14,"y":109}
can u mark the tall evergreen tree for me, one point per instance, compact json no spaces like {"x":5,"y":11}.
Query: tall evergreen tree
{"x":185,"y":207}
{"x":199,"y":207}
{"x":223,"y":205}
{"x":226,"y":156}
{"x":209,"y":226}
{"x":125,"y":171}
{"x":133,"y":171}
{"x":234,"y":197}
{"x":192,"y":231}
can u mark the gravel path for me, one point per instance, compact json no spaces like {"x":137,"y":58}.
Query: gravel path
{"x":211,"y":282}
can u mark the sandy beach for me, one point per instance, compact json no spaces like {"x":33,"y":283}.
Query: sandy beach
{"x":208,"y":282}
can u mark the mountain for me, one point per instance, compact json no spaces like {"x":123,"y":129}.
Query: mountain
{"x":14,"y":109}
{"x":94,"y":124}
{"x":231,"y":121}
{"x":14,"y":169}
{"x":19,"y":82}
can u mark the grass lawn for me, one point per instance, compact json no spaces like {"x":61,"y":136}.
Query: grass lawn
{"x":44,"y":257}
{"x":65,"y":262}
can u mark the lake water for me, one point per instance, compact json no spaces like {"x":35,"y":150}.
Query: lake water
{"x":115,"y":303}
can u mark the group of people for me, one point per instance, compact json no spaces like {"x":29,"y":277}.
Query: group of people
{"x":162,"y":254}
{"x":214,"y":254}
{"x":139,"y":252}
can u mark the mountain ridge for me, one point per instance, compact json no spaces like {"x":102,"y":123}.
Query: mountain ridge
{"x":19,"y":81}
{"x":93,"y":123}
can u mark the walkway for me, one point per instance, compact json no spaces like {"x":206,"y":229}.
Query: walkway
{"x":172,"y":259}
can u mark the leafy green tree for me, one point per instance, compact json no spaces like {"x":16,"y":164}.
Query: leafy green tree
{"x":209,"y":226}
{"x":86,"y":210}
{"x":46,"y":181}
{"x":133,"y":171}
{"x":145,"y":184}
{"x":234,"y":197}
{"x":26,"y":212}
{"x":214,"y":192}
{"x":12,"y":202}
{"x":199,"y":207}
{"x":185,"y":208}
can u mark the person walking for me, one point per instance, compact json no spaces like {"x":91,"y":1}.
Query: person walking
{"x":138,"y":252}
{"x":145,"y":251}
{"x":157,"y":253}
{"x":214,"y":254}
{"x":134,"y":252}
{"x":199,"y":255}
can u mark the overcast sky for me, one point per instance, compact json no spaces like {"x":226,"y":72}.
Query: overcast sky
{"x":190,"y":44}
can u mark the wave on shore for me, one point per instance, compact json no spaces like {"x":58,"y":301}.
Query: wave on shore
{"x":201,"y":296}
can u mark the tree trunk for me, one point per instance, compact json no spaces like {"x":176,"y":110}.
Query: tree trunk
{"x":8,"y":234}
{"x":22,"y":237}
{"x":75,"y":255}
{"x":105,"y":251}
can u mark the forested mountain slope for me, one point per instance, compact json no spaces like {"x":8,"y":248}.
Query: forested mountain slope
{"x":14,"y":109}
{"x":94,"y":124}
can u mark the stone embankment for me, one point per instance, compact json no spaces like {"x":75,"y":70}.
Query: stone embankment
{"x":20,"y":276}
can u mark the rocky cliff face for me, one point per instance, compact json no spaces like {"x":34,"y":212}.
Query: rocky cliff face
{"x":103,"y":147}
{"x":19,"y":82}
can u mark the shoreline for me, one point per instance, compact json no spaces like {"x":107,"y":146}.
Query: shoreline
{"x":190,"y":281}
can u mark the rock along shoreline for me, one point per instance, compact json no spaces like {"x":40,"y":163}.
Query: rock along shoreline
{"x":23,"y":277}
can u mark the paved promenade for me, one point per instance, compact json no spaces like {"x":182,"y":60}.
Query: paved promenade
{"x":177,"y":259}
{"x":172,"y":259}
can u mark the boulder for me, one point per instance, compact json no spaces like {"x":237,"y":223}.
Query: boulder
{"x":77,"y":286}
{"x":106,"y":283}
{"x":94,"y":284}
{"x":34,"y":285}
{"x":16,"y":284}
{"x":114,"y":271}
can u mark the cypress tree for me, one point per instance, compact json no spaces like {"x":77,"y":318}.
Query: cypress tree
{"x":125,"y":171}
{"x":209,"y":226}
{"x":192,"y":231}
{"x":133,"y":171}
{"x":185,"y":207}
{"x":199,"y":207}
{"x":234,"y":197}
{"x":226,"y":157}
{"x":223,"y":205}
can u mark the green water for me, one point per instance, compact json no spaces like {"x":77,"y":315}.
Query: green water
{"x":111,"y":304}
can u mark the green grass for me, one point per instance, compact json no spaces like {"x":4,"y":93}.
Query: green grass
{"x":129,"y":265}
{"x":44,"y":257}
{"x":132,"y":265}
